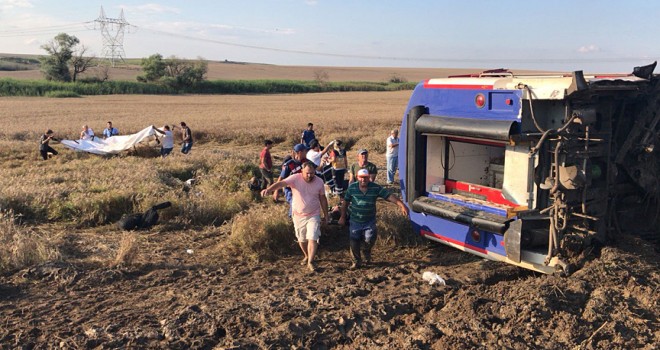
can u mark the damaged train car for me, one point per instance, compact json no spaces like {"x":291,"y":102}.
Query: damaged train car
{"x":532,"y":169}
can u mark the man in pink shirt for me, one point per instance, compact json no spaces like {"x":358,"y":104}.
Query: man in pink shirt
{"x":307,"y":204}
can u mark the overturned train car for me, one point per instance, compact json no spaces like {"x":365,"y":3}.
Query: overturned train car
{"x":532,"y":170}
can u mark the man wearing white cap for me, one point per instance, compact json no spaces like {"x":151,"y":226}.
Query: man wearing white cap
{"x":307,"y":204}
{"x":362,"y":196}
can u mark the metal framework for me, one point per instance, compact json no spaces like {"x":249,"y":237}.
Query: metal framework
{"x":112,"y":30}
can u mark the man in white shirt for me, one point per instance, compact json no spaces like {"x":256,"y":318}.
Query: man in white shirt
{"x":87,"y":133}
{"x":167,"y":143}
{"x":315,"y":154}
{"x":392,"y":155}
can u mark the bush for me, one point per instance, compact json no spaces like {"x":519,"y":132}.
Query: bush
{"x":263,"y":233}
{"x":61,"y":94}
{"x":397,"y":79}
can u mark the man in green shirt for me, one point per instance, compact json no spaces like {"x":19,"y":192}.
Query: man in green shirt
{"x":362,"y":163}
{"x":362,"y":196}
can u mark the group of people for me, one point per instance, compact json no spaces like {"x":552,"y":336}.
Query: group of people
{"x":88,"y":134}
{"x":304,"y":177}
{"x":167,"y":142}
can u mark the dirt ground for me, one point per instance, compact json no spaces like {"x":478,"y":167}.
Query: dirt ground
{"x":181,"y":295}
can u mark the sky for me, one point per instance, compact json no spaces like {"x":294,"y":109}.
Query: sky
{"x":563,"y":35}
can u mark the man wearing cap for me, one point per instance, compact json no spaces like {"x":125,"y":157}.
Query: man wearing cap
{"x":362,"y":196}
{"x":362,"y":163}
{"x":291,"y":167}
{"x":307,"y":204}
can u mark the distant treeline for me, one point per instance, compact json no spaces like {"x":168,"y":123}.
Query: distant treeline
{"x":15,"y":87}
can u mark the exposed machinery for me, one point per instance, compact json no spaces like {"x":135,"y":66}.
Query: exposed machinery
{"x":532,"y":169}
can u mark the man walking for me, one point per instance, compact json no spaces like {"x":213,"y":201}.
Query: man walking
{"x":362,"y":196}
{"x":291,"y":167}
{"x":307,"y":204}
{"x":266,"y":164}
{"x":392,"y":155}
{"x":186,"y":135}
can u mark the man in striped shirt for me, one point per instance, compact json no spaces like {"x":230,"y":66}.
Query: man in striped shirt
{"x":362,"y":196}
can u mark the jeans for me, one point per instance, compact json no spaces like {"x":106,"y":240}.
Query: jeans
{"x":186,"y":147}
{"x":165,"y":151}
{"x":392,"y":165}
{"x":360,"y":233}
{"x":365,"y":232}
{"x":288,"y":196}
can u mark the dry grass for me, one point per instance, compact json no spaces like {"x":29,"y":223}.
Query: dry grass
{"x":394,"y":229}
{"x":128,"y":250}
{"x":20,"y":246}
{"x":262,"y":233}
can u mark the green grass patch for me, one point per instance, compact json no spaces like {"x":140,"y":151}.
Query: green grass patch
{"x":15,"y":87}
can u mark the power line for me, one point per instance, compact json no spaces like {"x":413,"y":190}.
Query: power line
{"x":45,"y":30}
{"x":416,"y":59}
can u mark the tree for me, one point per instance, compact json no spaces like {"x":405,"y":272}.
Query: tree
{"x":173,"y":71}
{"x":153,"y":68}
{"x":79,"y":62}
{"x":61,"y":54}
{"x":321,"y":77}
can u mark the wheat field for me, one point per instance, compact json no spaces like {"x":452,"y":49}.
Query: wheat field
{"x":75,"y":189}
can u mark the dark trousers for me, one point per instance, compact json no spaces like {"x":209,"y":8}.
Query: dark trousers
{"x":44,"y":152}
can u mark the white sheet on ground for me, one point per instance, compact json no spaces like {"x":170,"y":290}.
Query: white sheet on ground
{"x":111,"y":145}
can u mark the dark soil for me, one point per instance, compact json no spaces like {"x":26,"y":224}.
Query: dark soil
{"x":207,"y":300}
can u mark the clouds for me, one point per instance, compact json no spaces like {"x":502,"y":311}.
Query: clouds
{"x":152,"y":8}
{"x":6,"y":5}
{"x":588,"y":49}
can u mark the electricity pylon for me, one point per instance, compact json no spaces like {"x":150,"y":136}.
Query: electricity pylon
{"x":112,"y":30}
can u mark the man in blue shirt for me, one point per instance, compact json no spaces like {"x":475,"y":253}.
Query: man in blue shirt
{"x":308,"y":135}
{"x":110,"y":131}
{"x":362,"y":196}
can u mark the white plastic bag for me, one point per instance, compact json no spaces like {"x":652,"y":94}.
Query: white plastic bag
{"x":433,"y":278}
